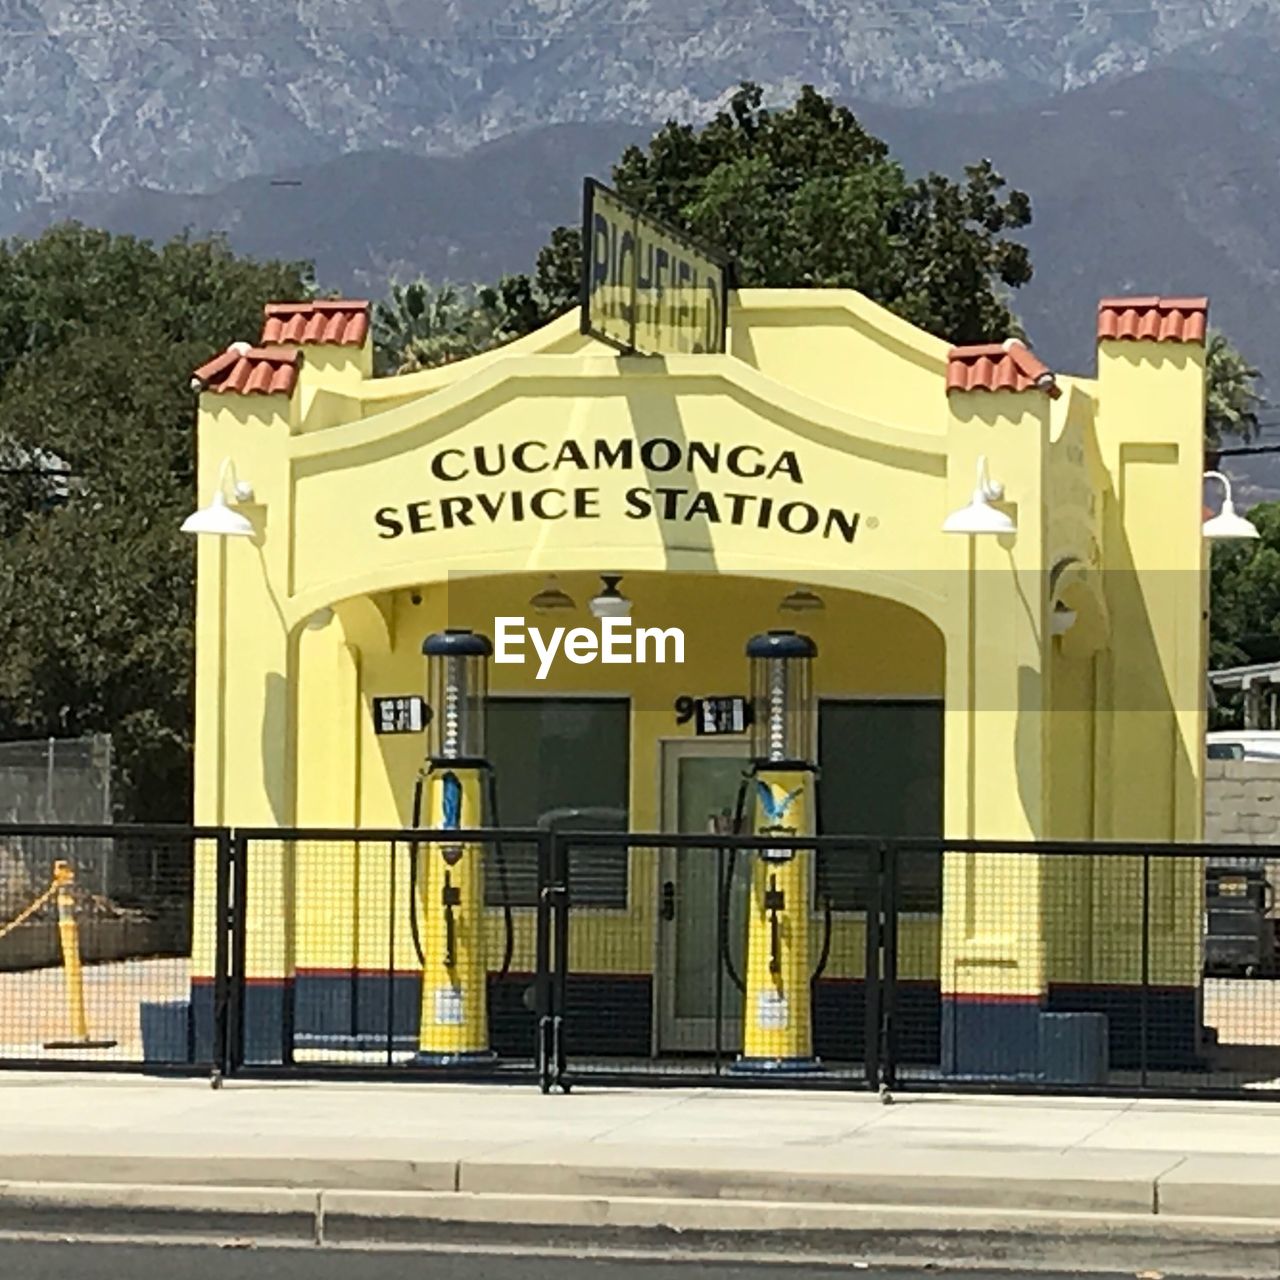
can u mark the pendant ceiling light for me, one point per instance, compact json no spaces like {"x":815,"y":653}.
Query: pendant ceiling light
{"x":552,"y":598}
{"x":610,"y":603}
{"x":802,"y":600}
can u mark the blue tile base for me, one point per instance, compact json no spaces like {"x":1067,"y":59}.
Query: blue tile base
{"x":991,"y":1036}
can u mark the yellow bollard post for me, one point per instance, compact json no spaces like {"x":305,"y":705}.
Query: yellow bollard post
{"x":64,"y":879}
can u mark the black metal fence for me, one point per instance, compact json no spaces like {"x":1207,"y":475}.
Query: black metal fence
{"x":96,"y":942}
{"x":606,"y":957}
{"x":328,"y":975}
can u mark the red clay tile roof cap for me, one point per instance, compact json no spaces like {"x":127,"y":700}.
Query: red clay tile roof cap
{"x":332,"y":321}
{"x":249,"y":371}
{"x":1153,"y":319}
{"x":999,"y":366}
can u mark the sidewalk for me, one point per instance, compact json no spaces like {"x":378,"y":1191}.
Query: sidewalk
{"x":332,"y":1157}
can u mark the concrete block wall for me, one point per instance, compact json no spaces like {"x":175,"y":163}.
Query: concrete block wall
{"x":1242,"y":806}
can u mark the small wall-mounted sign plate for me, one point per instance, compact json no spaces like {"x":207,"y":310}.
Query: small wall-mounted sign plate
{"x":399,"y":715}
{"x":713,"y":716}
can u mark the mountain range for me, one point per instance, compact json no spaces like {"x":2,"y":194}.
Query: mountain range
{"x":430,"y":136}
{"x":106,"y":94}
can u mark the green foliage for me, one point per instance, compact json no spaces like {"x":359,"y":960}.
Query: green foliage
{"x":1244,"y":585}
{"x":423,"y":325}
{"x":1245,"y":616}
{"x":1232,"y":399}
{"x":98,"y":338}
{"x":806,"y":196}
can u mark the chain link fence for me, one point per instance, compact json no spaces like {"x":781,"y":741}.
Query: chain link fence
{"x":54,"y":781}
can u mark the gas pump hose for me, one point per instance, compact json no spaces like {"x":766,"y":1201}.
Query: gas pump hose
{"x":508,"y":920}
{"x":726,"y":883}
{"x":504,"y":887}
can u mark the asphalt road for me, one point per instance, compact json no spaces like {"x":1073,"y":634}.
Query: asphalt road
{"x":55,"y":1260}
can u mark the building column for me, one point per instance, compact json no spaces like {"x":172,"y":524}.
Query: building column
{"x":993,"y":925}
{"x":993,"y":943}
{"x":1151,"y":695}
{"x":245,"y":771}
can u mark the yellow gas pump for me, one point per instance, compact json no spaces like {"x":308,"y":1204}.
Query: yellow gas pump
{"x":778,"y":1025}
{"x":454,"y":1030}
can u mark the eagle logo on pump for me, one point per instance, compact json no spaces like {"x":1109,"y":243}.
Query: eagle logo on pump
{"x":775,"y":803}
{"x":451,"y":813}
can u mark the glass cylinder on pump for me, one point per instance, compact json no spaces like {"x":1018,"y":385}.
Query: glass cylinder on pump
{"x":458,"y":694}
{"x":781,"y":698}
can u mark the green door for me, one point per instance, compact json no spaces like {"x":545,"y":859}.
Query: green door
{"x":700,"y":789}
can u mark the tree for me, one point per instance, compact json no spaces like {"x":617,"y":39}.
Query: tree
{"x":806,"y":196}
{"x":1244,"y":621}
{"x":98,"y":338}
{"x":422,"y":325}
{"x":1244,"y":615}
{"x":1232,"y":399}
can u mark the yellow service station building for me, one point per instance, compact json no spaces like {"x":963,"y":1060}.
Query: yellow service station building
{"x":1000,"y":569}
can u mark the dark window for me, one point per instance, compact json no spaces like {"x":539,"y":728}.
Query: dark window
{"x":881,"y":765}
{"x":562,"y":762}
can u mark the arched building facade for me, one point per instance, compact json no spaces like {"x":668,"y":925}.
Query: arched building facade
{"x":822,"y":452}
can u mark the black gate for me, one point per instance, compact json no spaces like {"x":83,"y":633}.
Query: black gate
{"x":628,"y":1007}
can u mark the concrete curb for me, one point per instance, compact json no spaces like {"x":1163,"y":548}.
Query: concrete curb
{"x":645,"y":1224}
{"x":1089,"y":1185}
{"x":230,"y":1172}
{"x":1071,"y":1182}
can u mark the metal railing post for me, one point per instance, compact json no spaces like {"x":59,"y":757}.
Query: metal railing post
{"x":238,"y":848}
{"x":390,"y":1003}
{"x":543,"y":994}
{"x":874,"y":860}
{"x":725,"y":891}
{"x":560,"y":997}
{"x":1145,"y":995}
{"x":223,"y":929}
{"x":889,"y":999}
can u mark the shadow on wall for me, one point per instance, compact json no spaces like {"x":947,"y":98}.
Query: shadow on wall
{"x":655,"y":414}
{"x":275,"y":744}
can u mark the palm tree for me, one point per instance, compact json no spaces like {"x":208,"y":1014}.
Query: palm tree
{"x":423,"y":325}
{"x":1232,"y":400}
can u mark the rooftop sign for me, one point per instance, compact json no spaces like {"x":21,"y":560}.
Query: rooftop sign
{"x":646,"y":287}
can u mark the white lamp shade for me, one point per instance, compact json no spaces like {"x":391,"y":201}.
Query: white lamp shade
{"x":610,"y":607}
{"x":1228,"y":524}
{"x":610,"y":603}
{"x":1061,"y":620}
{"x":979,"y":517}
{"x":218,"y":519}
